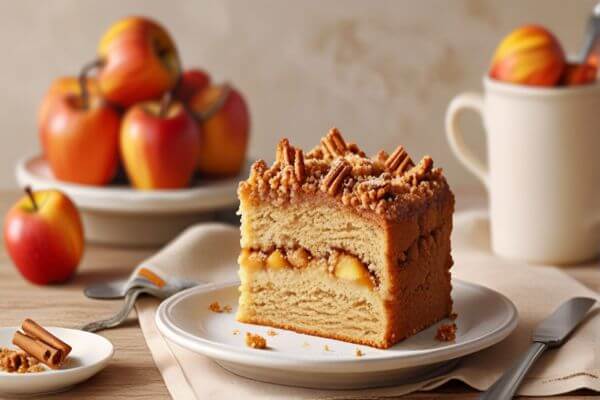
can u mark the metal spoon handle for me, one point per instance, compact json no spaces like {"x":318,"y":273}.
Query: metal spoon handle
{"x":119,"y":317}
{"x":505,"y":387}
{"x":592,"y":36}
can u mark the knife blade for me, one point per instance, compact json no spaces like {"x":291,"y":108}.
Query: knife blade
{"x":551,"y":332}
{"x":556,"y":328}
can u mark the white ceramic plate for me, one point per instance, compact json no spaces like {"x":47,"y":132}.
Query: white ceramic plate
{"x":90,"y":354}
{"x":485,"y":317}
{"x":119,"y":214}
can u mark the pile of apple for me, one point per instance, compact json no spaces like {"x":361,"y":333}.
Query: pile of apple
{"x":141,"y":111}
{"x":532,"y":55}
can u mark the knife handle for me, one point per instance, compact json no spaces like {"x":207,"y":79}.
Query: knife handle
{"x":505,"y":387}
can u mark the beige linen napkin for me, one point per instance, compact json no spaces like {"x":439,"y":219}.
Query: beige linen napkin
{"x":536,"y":291}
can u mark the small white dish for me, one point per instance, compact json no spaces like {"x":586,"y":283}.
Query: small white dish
{"x":117,"y":214}
{"x":485,"y":317}
{"x":90,"y":354}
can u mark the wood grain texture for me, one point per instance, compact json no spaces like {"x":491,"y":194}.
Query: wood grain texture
{"x":132,"y":374}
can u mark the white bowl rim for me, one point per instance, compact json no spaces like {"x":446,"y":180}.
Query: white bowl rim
{"x":215,"y":195}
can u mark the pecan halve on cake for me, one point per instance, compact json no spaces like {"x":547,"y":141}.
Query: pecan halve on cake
{"x":343,"y":246}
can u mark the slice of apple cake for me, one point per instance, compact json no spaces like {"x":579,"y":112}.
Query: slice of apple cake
{"x":343,"y":246}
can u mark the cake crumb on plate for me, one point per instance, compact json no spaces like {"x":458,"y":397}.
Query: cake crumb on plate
{"x":255,"y":341}
{"x":446,"y":332}
{"x":358,"y":352}
{"x":271,"y":332}
{"x":216,"y":307}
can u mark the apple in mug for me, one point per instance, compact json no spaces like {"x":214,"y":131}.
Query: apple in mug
{"x":43,"y":235}
{"x":223,"y":115}
{"x":578,"y":74}
{"x":192,"y":82}
{"x":138,"y":61}
{"x":80,"y":135}
{"x":529,"y":55}
{"x":159,"y":143}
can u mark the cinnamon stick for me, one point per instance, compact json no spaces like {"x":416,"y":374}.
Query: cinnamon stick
{"x":33,"y":329}
{"x":41,"y":351}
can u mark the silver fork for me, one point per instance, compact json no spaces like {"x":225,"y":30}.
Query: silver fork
{"x":117,"y":319}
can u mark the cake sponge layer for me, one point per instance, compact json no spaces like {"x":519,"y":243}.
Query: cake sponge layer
{"x":317,"y":228}
{"x":314,"y":300}
{"x":321,"y":227}
{"x":311,"y":300}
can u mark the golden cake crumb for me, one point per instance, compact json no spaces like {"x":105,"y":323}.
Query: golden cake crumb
{"x":216,"y":307}
{"x":446,"y":332}
{"x":255,"y":341}
{"x":236,"y":332}
{"x":271,"y":332}
{"x":326,"y":348}
{"x":306,"y":345}
{"x":358,"y":352}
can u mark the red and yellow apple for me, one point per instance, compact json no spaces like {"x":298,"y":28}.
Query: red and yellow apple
{"x":578,"y":74}
{"x":80,"y":138}
{"x":44,"y":236}
{"x":192,"y":82}
{"x":66,"y":85}
{"x":225,"y":122}
{"x":139,"y":61}
{"x":530,"y":55}
{"x":159,"y":145}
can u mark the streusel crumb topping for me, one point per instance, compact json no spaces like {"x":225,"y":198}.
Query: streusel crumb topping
{"x":387,"y":184}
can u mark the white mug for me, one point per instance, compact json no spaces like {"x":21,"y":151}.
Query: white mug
{"x":543,"y":172}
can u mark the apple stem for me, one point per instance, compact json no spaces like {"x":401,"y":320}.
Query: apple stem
{"x":83,"y":75}
{"x":178,"y":83}
{"x":165,"y":103}
{"x":217,"y":105}
{"x":31,"y":197}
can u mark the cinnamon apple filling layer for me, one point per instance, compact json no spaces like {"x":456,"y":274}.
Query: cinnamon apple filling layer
{"x":340,"y":264}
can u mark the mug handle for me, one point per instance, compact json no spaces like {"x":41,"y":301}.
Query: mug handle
{"x":463,"y":102}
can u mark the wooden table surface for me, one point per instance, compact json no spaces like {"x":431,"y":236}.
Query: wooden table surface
{"x":132,"y":374}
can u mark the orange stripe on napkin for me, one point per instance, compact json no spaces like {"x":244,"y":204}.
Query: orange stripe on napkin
{"x":152,"y":277}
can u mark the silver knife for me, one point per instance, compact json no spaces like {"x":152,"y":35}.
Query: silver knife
{"x":552,"y":332}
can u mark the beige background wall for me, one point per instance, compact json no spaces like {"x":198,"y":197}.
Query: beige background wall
{"x":382,"y":71}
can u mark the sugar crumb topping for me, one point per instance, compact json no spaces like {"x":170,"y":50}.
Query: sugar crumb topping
{"x":384,"y":183}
